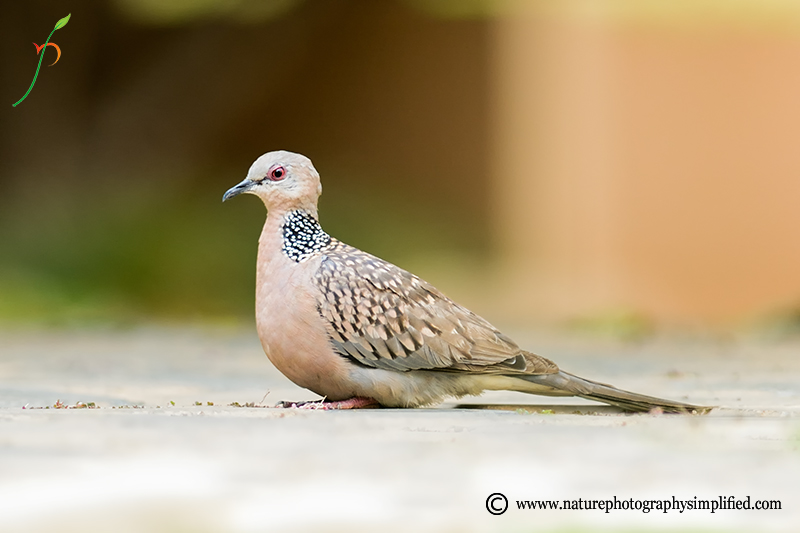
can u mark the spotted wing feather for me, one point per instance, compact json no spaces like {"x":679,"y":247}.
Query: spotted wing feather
{"x":381,"y":316}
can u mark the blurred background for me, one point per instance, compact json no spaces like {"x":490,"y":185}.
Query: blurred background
{"x":627,"y":169}
{"x":628,"y":162}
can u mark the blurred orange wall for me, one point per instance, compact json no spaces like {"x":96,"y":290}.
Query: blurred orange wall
{"x":646,"y":168}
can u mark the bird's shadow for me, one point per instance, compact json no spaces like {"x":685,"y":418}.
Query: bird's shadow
{"x":541,"y":409}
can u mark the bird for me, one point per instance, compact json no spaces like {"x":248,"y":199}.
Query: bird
{"x":364,"y":333}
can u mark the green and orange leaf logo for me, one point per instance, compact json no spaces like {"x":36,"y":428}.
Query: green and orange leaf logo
{"x":60,"y":24}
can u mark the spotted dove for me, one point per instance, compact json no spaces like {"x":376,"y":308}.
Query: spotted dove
{"x":360,"y":331}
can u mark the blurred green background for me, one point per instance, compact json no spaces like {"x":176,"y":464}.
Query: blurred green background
{"x":622,"y":162}
{"x":114,"y":167}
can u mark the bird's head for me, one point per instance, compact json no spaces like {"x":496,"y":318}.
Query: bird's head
{"x":283,"y":180}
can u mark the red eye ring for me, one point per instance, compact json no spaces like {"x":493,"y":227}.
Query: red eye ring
{"x":276,"y":173}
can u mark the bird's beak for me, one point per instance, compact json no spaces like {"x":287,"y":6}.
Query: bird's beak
{"x":236,"y":190}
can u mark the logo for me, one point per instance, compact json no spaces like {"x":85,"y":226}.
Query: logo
{"x":60,"y":24}
{"x":496,"y":504}
{"x":54,"y":45}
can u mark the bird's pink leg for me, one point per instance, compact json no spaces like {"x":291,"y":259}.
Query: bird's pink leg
{"x":357,"y":402}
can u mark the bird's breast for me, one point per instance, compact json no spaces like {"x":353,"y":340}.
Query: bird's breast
{"x":289,"y":325}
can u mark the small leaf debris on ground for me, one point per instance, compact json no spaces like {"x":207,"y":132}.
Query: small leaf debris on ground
{"x":61,"y":405}
{"x":248,"y":404}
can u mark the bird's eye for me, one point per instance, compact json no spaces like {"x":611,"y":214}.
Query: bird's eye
{"x":277,"y":173}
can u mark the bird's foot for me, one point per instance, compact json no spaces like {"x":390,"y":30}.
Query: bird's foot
{"x":357,"y":402}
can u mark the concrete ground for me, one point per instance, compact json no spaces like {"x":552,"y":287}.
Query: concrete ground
{"x":156,"y":456}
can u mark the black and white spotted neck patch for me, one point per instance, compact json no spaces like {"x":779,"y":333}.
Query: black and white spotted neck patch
{"x":302,"y":236}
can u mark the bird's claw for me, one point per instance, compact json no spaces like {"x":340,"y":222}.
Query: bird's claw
{"x":322,"y":405}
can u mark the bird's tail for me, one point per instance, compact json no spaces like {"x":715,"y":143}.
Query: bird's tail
{"x":609,"y":394}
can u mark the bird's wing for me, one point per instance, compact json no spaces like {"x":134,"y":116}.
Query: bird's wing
{"x":381,"y":316}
